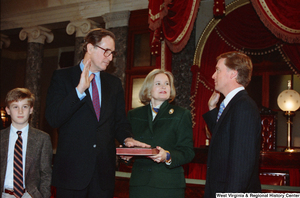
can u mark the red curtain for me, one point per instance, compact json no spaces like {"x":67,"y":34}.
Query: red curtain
{"x":219,"y":8}
{"x":203,"y":85}
{"x":292,"y":51}
{"x":171,"y":22}
{"x":282,"y":18}
{"x":178,"y":24}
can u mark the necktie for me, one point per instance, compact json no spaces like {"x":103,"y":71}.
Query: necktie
{"x":222,"y":107}
{"x":18,"y":167}
{"x":155,"y":110}
{"x":96,"y":102}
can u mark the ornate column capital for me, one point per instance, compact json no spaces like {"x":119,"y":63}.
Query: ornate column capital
{"x":37,"y":34}
{"x":5,"y":41}
{"x":116,"y":19}
{"x":82,"y":27}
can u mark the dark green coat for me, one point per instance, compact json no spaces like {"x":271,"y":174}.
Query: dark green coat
{"x":171,"y":130}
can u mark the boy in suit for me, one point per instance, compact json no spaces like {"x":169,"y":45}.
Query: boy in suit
{"x":26,"y":152}
{"x":233,"y":156}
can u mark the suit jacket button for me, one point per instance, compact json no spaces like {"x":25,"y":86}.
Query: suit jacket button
{"x":94,"y":145}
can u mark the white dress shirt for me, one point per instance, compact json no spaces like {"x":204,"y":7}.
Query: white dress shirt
{"x":13,"y":136}
{"x":232,"y":94}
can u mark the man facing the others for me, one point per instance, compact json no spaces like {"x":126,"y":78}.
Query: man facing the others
{"x":233,"y":156}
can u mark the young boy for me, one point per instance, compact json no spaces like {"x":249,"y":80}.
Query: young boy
{"x":25,"y":152}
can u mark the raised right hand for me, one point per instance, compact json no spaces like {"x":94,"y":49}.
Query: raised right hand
{"x":213,"y":101}
{"x":85,"y":79}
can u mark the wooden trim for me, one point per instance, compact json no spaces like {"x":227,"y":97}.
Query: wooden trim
{"x":138,"y":24}
{"x":129,"y":90}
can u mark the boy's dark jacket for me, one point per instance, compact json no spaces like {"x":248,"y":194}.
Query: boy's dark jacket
{"x":38,"y":162}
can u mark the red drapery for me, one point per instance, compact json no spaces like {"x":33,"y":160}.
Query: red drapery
{"x":240,"y":30}
{"x":282,"y":18}
{"x":219,"y":8}
{"x":171,"y":23}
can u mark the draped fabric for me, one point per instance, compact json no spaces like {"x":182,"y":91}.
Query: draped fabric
{"x":204,"y":85}
{"x":178,"y":24}
{"x":158,"y":9}
{"x":292,"y":51}
{"x":172,"y":23}
{"x":219,"y":8}
{"x":240,"y":30}
{"x":282,"y":18}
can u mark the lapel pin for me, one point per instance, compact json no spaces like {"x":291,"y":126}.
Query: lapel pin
{"x":171,"y":111}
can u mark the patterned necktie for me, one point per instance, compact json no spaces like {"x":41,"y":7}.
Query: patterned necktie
{"x":222,"y":107}
{"x":18,"y":167}
{"x":96,"y":102}
{"x":155,"y":110}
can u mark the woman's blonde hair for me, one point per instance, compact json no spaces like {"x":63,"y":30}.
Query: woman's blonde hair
{"x":145,"y":92}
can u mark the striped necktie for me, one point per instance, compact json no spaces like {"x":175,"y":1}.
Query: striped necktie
{"x":222,"y":107}
{"x":96,"y":102}
{"x":18,"y":167}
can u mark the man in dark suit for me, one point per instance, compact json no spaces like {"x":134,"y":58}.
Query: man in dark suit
{"x":85,"y":160}
{"x":233,"y":157}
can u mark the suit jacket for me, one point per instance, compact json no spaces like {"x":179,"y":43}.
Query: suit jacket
{"x":84,"y":143}
{"x":233,"y":156}
{"x":38,"y":162}
{"x":172,"y":130}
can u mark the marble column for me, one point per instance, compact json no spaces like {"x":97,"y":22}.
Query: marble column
{"x":35,"y":52}
{"x":117,"y":22}
{"x":81,"y":28}
{"x":181,"y":69}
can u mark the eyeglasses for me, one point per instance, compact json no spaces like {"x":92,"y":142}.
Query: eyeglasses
{"x":107,"y":52}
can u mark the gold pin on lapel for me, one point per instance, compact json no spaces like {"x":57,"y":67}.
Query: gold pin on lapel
{"x":171,"y":111}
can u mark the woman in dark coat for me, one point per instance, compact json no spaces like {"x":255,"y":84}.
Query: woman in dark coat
{"x":169,"y":129}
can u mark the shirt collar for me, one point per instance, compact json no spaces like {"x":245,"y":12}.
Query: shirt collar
{"x":158,"y":106}
{"x":24,"y":130}
{"x":232,"y":94}
{"x":82,"y":66}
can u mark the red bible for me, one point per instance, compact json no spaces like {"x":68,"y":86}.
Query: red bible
{"x":137,"y":151}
